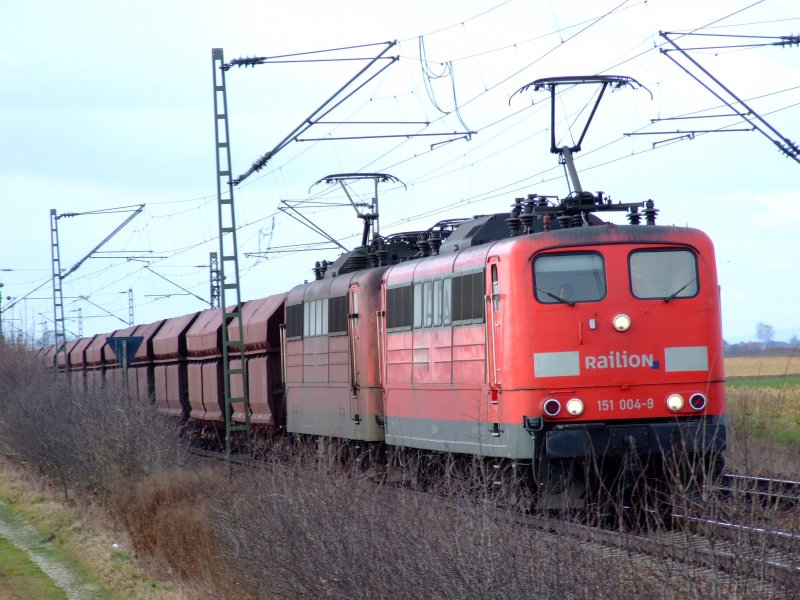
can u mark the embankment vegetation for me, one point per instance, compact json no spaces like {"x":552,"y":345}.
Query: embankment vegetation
{"x":311,"y":526}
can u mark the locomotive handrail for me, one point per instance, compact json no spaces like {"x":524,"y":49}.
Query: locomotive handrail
{"x":380,"y":347}
{"x":351,"y":334}
{"x":282,"y":330}
{"x":490,"y":309}
{"x":487,"y":367}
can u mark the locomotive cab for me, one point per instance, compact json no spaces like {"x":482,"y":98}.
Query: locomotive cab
{"x":627,"y":377}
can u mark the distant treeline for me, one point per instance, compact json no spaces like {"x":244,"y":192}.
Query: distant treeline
{"x":790,"y":348}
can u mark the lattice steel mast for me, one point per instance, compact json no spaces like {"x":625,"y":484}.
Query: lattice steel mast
{"x":230,"y":291}
{"x":59,"y":329}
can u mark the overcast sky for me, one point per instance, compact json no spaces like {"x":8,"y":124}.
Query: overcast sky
{"x":109,"y":105}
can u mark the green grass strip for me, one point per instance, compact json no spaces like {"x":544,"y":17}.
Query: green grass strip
{"x":20,"y":577}
{"x":763,"y":382}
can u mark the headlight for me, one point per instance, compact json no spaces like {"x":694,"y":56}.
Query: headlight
{"x":697,"y":401}
{"x":575,"y":407}
{"x":552,"y":407}
{"x":674,"y":402}
{"x":621,"y":322}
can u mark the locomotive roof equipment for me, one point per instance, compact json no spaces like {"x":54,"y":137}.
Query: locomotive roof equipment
{"x":534,"y":213}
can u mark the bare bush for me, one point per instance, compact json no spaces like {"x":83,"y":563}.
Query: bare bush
{"x":311,"y":534}
{"x":169,"y":519}
{"x":308,"y":532}
{"x":90,"y":442}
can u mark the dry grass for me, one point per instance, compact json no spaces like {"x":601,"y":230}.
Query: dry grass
{"x":169,"y":518}
{"x":761,"y":366}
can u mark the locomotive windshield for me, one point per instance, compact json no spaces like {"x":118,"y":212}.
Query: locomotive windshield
{"x":663,"y":274}
{"x":569,"y":277}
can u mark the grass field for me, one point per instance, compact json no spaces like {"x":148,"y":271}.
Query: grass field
{"x":764,"y":413}
{"x":765,"y":382}
{"x":762,"y":366}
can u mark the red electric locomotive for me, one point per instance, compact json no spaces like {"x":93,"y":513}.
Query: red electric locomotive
{"x":575,"y":352}
{"x":599,"y":342}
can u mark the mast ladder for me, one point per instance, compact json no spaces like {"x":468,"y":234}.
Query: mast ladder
{"x":228,"y":273}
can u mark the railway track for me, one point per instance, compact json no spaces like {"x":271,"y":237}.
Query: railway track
{"x":713,"y":552}
{"x":733,"y":547}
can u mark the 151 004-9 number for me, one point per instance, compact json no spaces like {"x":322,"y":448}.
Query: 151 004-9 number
{"x":624,"y":404}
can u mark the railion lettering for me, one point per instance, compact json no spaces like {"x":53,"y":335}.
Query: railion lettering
{"x":620,"y":360}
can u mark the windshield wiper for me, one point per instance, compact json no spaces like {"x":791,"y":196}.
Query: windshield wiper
{"x":556,"y":298}
{"x":675,"y":293}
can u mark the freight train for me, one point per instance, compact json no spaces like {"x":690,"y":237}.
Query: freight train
{"x":582,"y":354}
{"x":574,"y":349}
